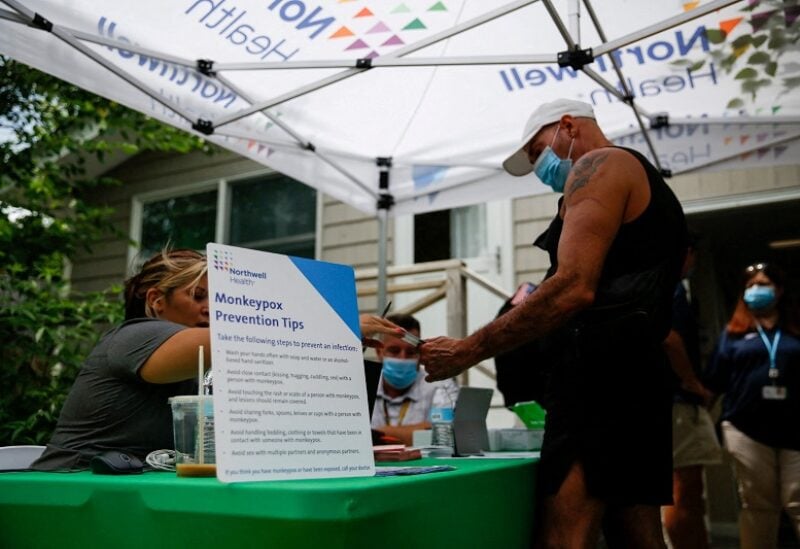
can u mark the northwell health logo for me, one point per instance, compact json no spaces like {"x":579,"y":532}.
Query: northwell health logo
{"x":223,"y":261}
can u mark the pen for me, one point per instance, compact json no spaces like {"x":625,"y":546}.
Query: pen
{"x":386,"y":309}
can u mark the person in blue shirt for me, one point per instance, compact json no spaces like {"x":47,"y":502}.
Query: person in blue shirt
{"x":757,"y":367}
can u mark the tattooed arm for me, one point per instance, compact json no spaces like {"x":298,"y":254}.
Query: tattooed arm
{"x":604,"y":189}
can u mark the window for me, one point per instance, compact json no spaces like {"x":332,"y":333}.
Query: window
{"x":271,"y":213}
{"x":184,"y":221}
{"x":460,"y":232}
{"x":275,"y":214}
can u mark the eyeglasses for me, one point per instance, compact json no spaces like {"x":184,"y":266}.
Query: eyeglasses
{"x":755,"y":268}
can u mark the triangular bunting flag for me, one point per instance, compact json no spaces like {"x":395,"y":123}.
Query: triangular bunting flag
{"x":357,"y":45}
{"x":380,"y":27}
{"x":775,"y":109}
{"x":763,"y":152}
{"x":791,"y":13}
{"x":438,"y":6}
{"x":743,"y":139}
{"x":401,"y":8}
{"x":759,"y":20}
{"x":372,"y":55}
{"x":688,"y":6}
{"x":343,"y":1}
{"x":364,"y":13}
{"x":780,"y":150}
{"x":250,"y":144}
{"x":261,"y":148}
{"x":729,"y":24}
{"x":761,"y":137}
{"x":343,"y":32}
{"x":416,"y":24}
{"x":393,"y":41}
{"x":728,"y":140}
{"x":745,"y":156}
{"x":778,"y":134}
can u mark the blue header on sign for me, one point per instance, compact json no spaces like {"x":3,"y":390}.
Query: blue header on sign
{"x":336,"y":284}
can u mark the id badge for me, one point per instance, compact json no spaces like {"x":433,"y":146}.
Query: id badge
{"x":773,"y":392}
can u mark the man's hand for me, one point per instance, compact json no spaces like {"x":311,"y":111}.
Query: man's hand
{"x":444,"y":357}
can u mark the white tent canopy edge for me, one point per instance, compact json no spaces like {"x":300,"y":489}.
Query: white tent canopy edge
{"x":342,"y":172}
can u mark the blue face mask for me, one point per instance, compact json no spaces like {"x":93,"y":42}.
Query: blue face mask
{"x":758,"y":297}
{"x":552,"y":169}
{"x":400,"y":372}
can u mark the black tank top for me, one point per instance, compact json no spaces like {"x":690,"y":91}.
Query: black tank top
{"x":644,"y":262}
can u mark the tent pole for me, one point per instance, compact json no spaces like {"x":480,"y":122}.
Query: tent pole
{"x":575,"y":20}
{"x":385,"y":203}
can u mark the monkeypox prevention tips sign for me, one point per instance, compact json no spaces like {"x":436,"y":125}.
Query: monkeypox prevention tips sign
{"x":289,"y":391}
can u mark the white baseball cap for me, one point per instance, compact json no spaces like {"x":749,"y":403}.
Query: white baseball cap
{"x":546,"y":114}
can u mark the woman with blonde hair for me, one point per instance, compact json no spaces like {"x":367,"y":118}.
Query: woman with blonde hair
{"x":119,"y":400}
{"x":757,"y":367}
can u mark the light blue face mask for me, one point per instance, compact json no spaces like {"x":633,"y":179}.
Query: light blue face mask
{"x":400,"y":372}
{"x":552,"y":169}
{"x":758,"y":297}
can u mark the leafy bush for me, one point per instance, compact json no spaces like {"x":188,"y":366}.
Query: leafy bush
{"x":45,"y":337}
{"x":48,"y":131}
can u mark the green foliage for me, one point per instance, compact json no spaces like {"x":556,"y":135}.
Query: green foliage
{"x":755,"y":55}
{"x":48,"y":131}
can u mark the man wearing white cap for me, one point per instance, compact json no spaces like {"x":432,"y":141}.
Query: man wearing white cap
{"x":616,"y":248}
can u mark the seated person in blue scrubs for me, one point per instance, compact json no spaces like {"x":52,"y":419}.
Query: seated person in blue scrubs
{"x":404,"y":399}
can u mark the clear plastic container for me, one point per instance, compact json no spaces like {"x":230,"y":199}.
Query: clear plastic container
{"x":193,"y":426}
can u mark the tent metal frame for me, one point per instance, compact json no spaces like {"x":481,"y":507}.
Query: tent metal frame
{"x":574,"y":56}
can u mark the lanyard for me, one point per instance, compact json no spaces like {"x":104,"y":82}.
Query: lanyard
{"x":403,"y":410}
{"x":772,"y":348}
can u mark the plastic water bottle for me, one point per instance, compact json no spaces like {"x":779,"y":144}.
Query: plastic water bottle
{"x":442,"y":418}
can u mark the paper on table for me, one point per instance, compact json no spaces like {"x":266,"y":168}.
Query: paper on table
{"x":508,"y":455}
{"x":404,"y":471}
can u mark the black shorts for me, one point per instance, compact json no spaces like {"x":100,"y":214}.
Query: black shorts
{"x":609,"y":406}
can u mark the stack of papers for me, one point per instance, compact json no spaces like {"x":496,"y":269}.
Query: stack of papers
{"x":395,"y":452}
{"x":403,"y":471}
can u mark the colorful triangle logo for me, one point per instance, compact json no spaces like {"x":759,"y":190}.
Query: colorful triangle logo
{"x":729,"y":24}
{"x":380,"y":27}
{"x":357,"y":45}
{"x":342,"y":33}
{"x":416,"y":24}
{"x":393,"y":41}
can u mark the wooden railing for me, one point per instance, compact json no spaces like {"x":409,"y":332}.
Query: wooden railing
{"x":450,"y":285}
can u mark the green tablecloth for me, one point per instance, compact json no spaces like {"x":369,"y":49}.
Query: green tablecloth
{"x":483,"y":503}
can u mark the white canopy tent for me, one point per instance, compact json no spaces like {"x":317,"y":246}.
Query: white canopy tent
{"x":407,"y":106}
